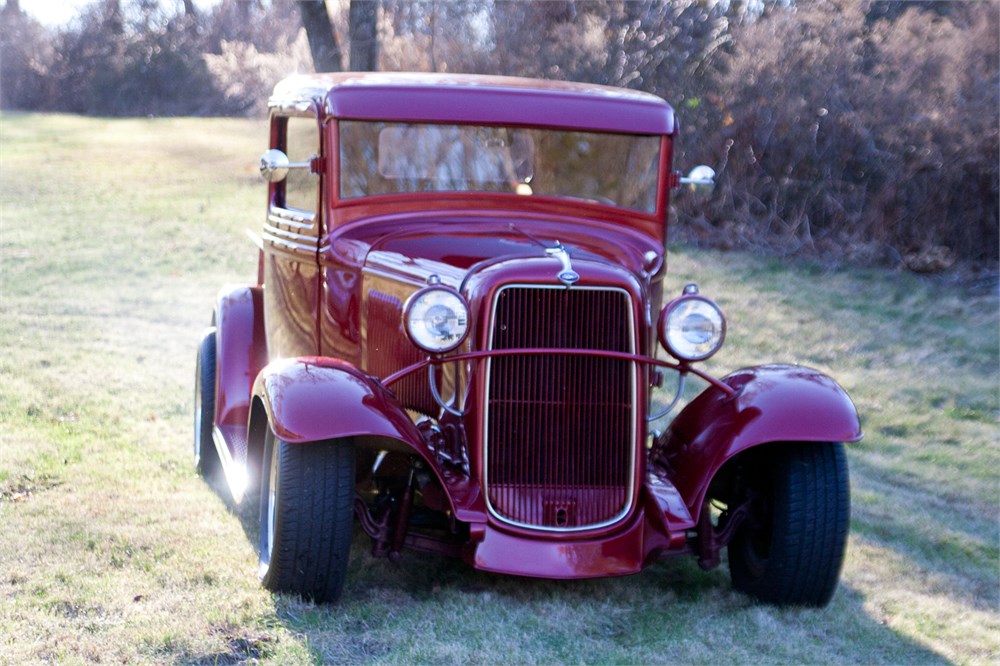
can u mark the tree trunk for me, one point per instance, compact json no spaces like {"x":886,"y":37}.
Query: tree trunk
{"x":364,"y":37}
{"x":322,"y":40}
{"x":114,"y":21}
{"x":433,"y":20}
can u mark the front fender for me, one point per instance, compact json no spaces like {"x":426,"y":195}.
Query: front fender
{"x":312,"y":399}
{"x":773,"y":403}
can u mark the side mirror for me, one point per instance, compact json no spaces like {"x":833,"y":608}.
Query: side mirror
{"x":274,"y":165}
{"x":700,"y":180}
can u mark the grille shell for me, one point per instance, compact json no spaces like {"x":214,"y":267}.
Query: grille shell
{"x":559,"y":430}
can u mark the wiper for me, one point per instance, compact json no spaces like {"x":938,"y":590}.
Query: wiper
{"x":538,"y":242}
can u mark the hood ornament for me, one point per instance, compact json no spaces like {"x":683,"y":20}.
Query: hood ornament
{"x":567,"y":275}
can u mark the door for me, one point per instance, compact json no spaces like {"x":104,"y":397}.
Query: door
{"x":291,"y":240}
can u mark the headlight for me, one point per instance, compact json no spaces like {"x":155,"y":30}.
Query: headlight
{"x":436,"y":319}
{"x":692,"y":327}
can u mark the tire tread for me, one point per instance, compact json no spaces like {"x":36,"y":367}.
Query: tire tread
{"x":811,"y":514}
{"x":313,"y":520}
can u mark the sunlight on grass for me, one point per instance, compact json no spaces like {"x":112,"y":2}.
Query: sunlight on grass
{"x":116,"y":236}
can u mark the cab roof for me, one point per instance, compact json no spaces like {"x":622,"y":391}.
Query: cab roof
{"x":467,"y":98}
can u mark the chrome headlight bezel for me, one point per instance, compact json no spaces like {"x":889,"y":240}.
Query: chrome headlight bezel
{"x":697,"y":312}
{"x":417,"y":322}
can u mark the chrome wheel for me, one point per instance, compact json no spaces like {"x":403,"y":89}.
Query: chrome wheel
{"x":197,"y":413}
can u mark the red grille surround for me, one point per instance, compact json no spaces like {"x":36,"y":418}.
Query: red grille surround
{"x":560,"y":429}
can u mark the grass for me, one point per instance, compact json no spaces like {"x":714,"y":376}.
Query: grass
{"x":115,"y":237}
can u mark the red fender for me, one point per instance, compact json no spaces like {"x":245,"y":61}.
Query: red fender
{"x":773,"y":403}
{"x":316,"y":398}
{"x":312,"y":399}
{"x":240,"y":351}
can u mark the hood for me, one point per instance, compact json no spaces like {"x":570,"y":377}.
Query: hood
{"x":454,"y":246}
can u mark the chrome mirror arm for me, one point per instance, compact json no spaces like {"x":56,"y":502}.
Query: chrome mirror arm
{"x":686,"y":180}
{"x":274,"y":165}
{"x":700,"y":180}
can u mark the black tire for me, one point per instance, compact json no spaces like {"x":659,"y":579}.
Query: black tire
{"x":206,"y":457}
{"x":790,"y":549}
{"x":306,"y":517}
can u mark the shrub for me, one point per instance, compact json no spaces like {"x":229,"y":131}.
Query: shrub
{"x":835,"y":140}
{"x":246,"y":76}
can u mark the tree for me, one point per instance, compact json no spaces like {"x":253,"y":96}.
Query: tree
{"x":362,"y":32}
{"x":322,"y":39}
{"x":363,"y":22}
{"x":26,"y":56}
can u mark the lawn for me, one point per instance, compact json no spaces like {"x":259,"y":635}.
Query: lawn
{"x":116,"y":236}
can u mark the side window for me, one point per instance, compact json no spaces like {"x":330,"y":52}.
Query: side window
{"x":301,"y":145}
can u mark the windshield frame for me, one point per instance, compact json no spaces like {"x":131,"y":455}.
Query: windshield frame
{"x":636,"y":178}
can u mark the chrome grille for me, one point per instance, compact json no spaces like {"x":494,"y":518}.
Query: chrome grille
{"x":559,"y":428}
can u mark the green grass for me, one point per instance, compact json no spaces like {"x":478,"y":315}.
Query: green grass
{"x":115,"y":237}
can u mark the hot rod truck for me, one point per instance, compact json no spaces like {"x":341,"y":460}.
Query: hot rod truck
{"x":454,"y":335}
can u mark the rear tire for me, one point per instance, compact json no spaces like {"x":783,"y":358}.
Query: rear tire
{"x":206,"y":457}
{"x":306,"y":517}
{"x":789,"y":551}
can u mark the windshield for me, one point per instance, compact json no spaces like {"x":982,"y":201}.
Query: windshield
{"x":379,"y":158}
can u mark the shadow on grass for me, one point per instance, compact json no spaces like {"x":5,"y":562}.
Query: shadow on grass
{"x":426,"y":608}
{"x":431,"y":609}
{"x":956,"y":541}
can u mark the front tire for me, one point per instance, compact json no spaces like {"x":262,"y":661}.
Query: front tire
{"x":306,"y":517}
{"x":790,"y":549}
{"x":206,"y":457}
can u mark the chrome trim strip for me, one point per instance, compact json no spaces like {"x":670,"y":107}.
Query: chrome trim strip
{"x":418,"y":278}
{"x":635,"y":417}
{"x":290,"y":244}
{"x":290,"y":235}
{"x":255,"y":238}
{"x":408,"y":280}
{"x":304,"y":222}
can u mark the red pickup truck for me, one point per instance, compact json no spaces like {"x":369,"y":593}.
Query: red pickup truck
{"x":455,"y":338}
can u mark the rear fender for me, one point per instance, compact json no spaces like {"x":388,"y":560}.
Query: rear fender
{"x":241,"y":351}
{"x":773,"y":403}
